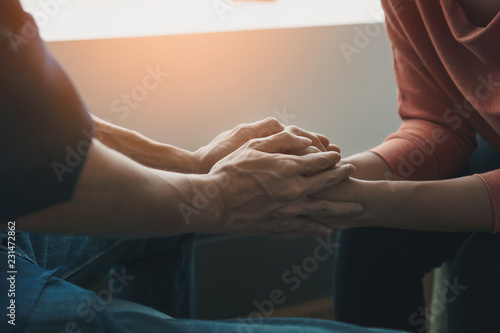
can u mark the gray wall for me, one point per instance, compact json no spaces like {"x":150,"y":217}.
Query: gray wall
{"x":217,"y":80}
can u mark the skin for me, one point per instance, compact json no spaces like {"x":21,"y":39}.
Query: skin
{"x":277,"y":192}
{"x":166,"y":157}
{"x":262,"y":183}
{"x":461,"y":204}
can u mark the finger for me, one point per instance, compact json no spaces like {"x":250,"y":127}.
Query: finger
{"x":314,"y":163}
{"x":300,"y":132}
{"x":323,"y":208}
{"x":323,"y":139}
{"x":328,"y":178}
{"x":283,"y":142}
{"x":266,"y":127}
{"x":332,"y":147}
{"x":307,"y":151}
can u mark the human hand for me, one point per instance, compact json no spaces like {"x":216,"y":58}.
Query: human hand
{"x":227,"y":142}
{"x":374,"y":196}
{"x":320,"y":143}
{"x":264,"y":190}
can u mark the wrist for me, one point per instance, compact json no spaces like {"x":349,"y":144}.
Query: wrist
{"x":369,"y":166}
{"x":200,"y":159}
{"x":203,"y":208}
{"x":379,"y":199}
{"x":166,"y":157}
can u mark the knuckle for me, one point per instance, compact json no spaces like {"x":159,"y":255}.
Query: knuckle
{"x":291,"y":192}
{"x":264,"y":131}
{"x":289,"y":168}
{"x":285,"y":135}
{"x":293,"y":129}
{"x":244,"y":132}
{"x":322,"y":162}
{"x":273,"y":123}
{"x":291,"y":211}
{"x":323,"y":209}
{"x":298,"y":189}
{"x":253,"y":143}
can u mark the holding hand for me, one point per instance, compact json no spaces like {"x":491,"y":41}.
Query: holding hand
{"x":227,"y":142}
{"x":265,"y":189}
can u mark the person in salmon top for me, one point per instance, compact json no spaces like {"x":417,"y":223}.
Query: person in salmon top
{"x":438,"y":177}
{"x":81,"y":199}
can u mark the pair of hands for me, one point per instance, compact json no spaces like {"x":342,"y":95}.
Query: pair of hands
{"x":270,"y":174}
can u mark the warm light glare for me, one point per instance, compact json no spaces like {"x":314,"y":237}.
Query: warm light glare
{"x":96,"y":19}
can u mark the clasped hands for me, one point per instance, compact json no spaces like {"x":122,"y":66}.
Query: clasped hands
{"x":269,"y":177}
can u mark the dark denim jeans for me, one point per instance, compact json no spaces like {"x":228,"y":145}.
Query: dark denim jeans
{"x":378,"y":272}
{"x":150,"y":282}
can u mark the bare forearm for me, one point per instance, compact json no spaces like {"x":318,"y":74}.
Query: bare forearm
{"x":144,"y":150}
{"x":460,"y":205}
{"x":117,"y":197}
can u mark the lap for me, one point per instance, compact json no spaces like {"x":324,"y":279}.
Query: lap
{"x":64,"y":307}
{"x":61,"y":306}
{"x":84,"y":260}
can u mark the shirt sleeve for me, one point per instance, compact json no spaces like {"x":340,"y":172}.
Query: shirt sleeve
{"x":429,"y":144}
{"x":492,"y":181}
{"x":45,"y":129}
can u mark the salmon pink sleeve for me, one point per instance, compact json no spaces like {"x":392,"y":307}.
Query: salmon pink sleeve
{"x":433,"y":142}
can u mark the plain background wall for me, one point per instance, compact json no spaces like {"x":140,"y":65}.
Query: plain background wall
{"x":218,"y":80}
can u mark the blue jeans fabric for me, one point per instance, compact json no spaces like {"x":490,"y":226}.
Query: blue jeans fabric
{"x":150,"y":283}
{"x":378,"y":272}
